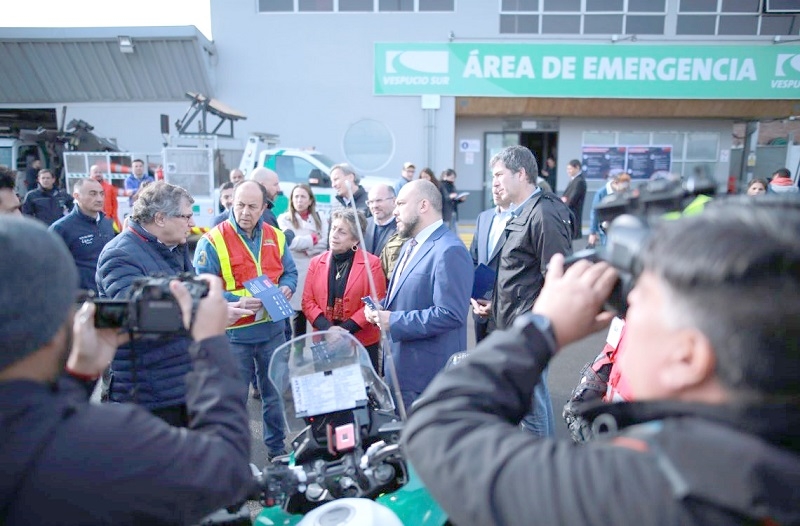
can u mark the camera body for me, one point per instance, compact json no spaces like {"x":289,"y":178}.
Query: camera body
{"x":630,"y":214}
{"x":151,"y":308}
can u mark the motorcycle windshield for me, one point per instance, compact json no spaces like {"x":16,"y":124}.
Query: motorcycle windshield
{"x":324,"y":372}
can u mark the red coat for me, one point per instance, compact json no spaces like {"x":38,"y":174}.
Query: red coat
{"x":315,"y":292}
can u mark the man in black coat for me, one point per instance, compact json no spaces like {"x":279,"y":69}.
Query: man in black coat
{"x":714,"y":436}
{"x":47,"y":202}
{"x":574,"y":196}
{"x":67,"y":461}
{"x":539,"y":227}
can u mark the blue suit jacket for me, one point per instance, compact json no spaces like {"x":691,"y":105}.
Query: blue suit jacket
{"x":429,"y":305}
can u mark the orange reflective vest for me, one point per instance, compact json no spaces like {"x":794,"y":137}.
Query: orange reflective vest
{"x":238,"y":264}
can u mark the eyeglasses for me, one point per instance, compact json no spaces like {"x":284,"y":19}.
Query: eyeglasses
{"x":185,"y":216}
{"x":376,"y":201}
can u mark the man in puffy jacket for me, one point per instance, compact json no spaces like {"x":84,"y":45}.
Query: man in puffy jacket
{"x":150,"y":372}
{"x":67,"y":461}
{"x":712,"y":360}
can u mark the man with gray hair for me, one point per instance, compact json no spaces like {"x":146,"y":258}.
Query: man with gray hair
{"x":539,"y":227}
{"x":150,"y":372}
{"x":428,"y":298}
{"x":345,"y":181}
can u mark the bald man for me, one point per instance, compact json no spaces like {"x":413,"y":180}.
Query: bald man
{"x":428,"y":299}
{"x":253,"y":338}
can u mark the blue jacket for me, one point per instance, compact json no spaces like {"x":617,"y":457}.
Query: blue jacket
{"x":47,"y":205}
{"x":85,"y":238}
{"x":206,"y":260}
{"x":594,"y":219}
{"x":161,"y":365}
{"x":429,"y":304}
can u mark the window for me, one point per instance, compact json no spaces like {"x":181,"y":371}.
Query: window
{"x":644,"y":25}
{"x":556,"y":24}
{"x":698,"y":6}
{"x":356,"y":5}
{"x":697,"y":25}
{"x":740,"y":6}
{"x":396,"y":5}
{"x":520,"y":5}
{"x":370,"y":6}
{"x":738,"y":25}
{"x":274,"y":6}
{"x":604,"y":5}
{"x":368,"y":145}
{"x":780,"y":25}
{"x":589,"y":17}
{"x":692,"y":153}
{"x":646,"y":6}
{"x":602,"y":24}
{"x":315,"y":5}
{"x":436,"y":5}
{"x":562,"y":5}
{"x":519,"y":24}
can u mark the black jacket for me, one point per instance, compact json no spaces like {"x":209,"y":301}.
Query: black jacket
{"x":47,"y":205}
{"x":360,"y":198}
{"x":576,"y":194}
{"x":66,"y":461}
{"x":673,"y":464}
{"x":541,"y":227}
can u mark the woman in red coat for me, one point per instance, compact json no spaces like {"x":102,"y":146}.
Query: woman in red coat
{"x":338,"y":279}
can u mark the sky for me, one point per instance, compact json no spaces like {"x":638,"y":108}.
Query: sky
{"x":106,"y":13}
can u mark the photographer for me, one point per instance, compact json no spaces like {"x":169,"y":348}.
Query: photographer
{"x":712,"y":358}
{"x":66,"y":461}
{"x":153,"y":242}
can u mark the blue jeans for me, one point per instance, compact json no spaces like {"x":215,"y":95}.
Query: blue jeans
{"x":271,"y":406}
{"x":540,"y":421}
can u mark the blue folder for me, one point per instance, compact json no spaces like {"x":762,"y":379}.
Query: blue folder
{"x":484,"y":282}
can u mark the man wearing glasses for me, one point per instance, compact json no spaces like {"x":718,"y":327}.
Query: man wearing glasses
{"x":153,"y":242}
{"x":381,"y":225}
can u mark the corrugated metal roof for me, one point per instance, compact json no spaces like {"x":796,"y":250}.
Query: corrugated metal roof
{"x":86,"y":64}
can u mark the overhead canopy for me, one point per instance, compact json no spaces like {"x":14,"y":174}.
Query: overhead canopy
{"x":55,"y":65}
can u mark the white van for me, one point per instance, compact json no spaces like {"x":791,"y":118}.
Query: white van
{"x":295,"y":166}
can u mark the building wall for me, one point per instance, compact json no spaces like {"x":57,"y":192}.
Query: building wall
{"x":309,"y":76}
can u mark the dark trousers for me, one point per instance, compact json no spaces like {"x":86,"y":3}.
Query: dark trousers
{"x":299,"y":323}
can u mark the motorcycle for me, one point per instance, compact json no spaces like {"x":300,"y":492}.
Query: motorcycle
{"x":346,"y":464}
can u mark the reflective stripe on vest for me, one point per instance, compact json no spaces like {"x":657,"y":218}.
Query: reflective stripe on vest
{"x":238,"y":264}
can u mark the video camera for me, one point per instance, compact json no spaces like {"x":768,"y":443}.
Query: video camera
{"x":630,"y":214}
{"x":151,"y":308}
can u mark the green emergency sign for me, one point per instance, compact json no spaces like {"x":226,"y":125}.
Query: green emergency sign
{"x":589,"y":70}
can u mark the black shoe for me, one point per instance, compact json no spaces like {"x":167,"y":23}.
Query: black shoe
{"x":256,"y":394}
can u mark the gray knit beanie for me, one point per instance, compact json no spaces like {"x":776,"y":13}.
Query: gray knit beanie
{"x":38,"y":285}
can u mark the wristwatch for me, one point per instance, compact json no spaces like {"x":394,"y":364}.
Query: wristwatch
{"x":530,"y":321}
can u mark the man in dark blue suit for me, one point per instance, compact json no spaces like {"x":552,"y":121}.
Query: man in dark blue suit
{"x":485,"y":249}
{"x":428,"y":298}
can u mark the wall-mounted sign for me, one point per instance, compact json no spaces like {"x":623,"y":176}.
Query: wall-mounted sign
{"x":598,"y":162}
{"x":637,"y":71}
{"x":640,"y":162}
